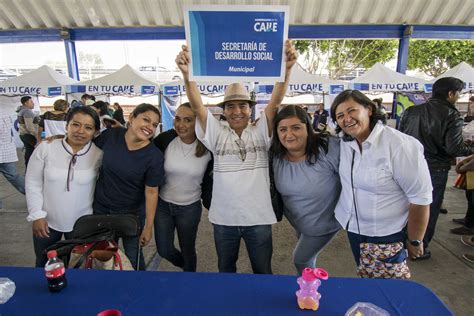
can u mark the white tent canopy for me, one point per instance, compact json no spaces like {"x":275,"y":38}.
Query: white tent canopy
{"x":126,"y":80}
{"x":462,"y":71}
{"x":43,"y":81}
{"x":382,"y":79}
{"x":303,"y":82}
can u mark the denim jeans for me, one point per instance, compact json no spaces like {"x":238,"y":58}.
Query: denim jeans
{"x":8,"y":169}
{"x":29,"y":141}
{"x":185,"y":220}
{"x":41,"y":244}
{"x":438,"y":180}
{"x":258,"y":241}
{"x":355,"y":240}
{"x":308,"y":248}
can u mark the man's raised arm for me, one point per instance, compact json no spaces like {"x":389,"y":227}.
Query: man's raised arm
{"x":280,"y":88}
{"x":183,"y":61}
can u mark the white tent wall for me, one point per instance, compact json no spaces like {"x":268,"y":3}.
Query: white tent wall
{"x":43,"y":81}
{"x":462,"y":71}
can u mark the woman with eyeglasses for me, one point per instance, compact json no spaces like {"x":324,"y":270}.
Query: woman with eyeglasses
{"x":305,"y":167}
{"x":188,"y":167}
{"x":60,"y":181}
{"x":131,"y":172}
{"x":386,"y":188}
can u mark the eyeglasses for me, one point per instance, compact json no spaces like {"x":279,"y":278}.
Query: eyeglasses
{"x":243,"y":152}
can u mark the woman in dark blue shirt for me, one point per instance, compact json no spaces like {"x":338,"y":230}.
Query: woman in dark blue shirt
{"x":132,"y":171}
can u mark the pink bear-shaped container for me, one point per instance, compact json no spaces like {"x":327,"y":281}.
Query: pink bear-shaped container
{"x":309,"y":282}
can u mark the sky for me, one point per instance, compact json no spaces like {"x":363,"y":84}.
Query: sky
{"x":114,"y":54}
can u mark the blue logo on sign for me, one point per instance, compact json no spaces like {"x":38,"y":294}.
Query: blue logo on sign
{"x":148,"y":89}
{"x":361,"y":86}
{"x":428,"y":87}
{"x":54,"y":91}
{"x":265,"y":26}
{"x":171,"y":90}
{"x":77,"y":89}
{"x":264,"y":88}
{"x":336,"y":88}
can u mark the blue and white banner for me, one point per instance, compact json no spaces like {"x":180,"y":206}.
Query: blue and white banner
{"x":236,"y":43}
{"x":54,"y":91}
{"x":383,"y":87}
{"x":147,"y":89}
{"x":204,"y":89}
{"x":17,"y":90}
{"x":336,"y":88}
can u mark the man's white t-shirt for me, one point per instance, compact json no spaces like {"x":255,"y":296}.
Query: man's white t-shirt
{"x":241,"y":189}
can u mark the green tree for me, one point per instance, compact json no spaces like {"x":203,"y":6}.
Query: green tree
{"x":341,"y":57}
{"x":434,"y":57}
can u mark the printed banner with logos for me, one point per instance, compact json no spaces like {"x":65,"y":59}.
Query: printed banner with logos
{"x":408,"y":99}
{"x":31,"y":90}
{"x":236,"y":43}
{"x":111,"y":89}
{"x":383,"y":87}
{"x":168,"y":110}
{"x":178,"y":88}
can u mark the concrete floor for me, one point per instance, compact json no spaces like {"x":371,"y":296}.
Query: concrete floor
{"x":449,"y":276}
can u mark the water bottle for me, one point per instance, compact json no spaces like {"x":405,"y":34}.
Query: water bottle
{"x":309,"y":282}
{"x":55,"y":272}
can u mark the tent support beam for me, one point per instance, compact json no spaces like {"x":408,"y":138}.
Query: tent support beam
{"x":460,"y":32}
{"x":71,"y":58}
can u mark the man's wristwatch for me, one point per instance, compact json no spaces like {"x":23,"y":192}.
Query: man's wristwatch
{"x":415,"y":242}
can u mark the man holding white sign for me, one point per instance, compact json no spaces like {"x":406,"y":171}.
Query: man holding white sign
{"x":241,"y":205}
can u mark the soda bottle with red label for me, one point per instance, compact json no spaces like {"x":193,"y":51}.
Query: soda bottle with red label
{"x":55,"y":272}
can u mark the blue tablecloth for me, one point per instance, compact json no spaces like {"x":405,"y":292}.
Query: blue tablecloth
{"x":179,"y":293}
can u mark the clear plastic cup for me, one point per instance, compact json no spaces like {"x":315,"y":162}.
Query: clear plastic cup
{"x":366,"y":309}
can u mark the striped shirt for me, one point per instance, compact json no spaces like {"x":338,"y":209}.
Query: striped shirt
{"x":241,"y":191}
{"x":7,"y":145}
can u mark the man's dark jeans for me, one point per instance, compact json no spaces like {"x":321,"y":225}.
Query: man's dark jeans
{"x":439,"y":177}
{"x":258,"y":241}
{"x":29,"y":141}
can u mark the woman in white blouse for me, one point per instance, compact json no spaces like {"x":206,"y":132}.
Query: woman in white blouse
{"x":386,"y":187}
{"x":187,"y":169}
{"x":60,"y":181}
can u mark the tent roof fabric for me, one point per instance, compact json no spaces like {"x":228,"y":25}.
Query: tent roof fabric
{"x":382,"y":79}
{"x":124,"y":76}
{"x":462,"y":71}
{"x":35,"y":82}
{"x":49,"y":14}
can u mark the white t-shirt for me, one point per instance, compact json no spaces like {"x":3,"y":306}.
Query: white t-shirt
{"x":390,"y":174}
{"x":184,"y":172}
{"x":46,"y":184}
{"x":241,"y":189}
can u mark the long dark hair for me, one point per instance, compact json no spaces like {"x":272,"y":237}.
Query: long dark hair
{"x":200,"y":148}
{"x":314,"y":142}
{"x":361,"y":99}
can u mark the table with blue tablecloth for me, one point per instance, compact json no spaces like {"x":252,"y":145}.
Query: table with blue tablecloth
{"x":181,"y":293}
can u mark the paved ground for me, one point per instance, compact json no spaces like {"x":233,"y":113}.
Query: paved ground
{"x":446,"y":273}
